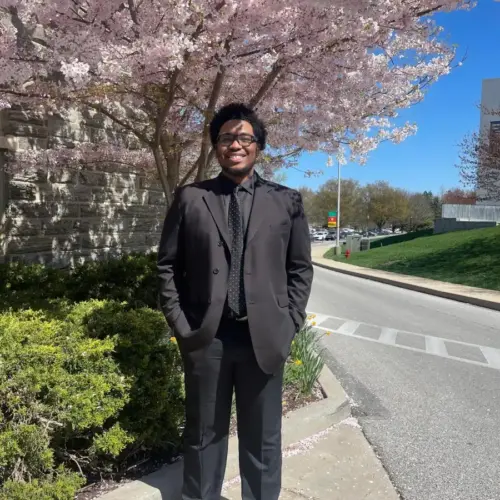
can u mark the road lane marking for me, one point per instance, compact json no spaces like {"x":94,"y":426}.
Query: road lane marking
{"x":388,"y":336}
{"x":492,"y":356}
{"x":348,"y":328}
{"x":435,"y":345}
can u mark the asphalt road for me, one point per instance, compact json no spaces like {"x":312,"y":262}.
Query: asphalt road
{"x":424,"y":376}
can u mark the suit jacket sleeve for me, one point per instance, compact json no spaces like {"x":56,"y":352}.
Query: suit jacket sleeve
{"x":299,"y":264}
{"x":170,"y":267}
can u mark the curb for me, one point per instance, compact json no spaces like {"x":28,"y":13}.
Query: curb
{"x":458,"y":297}
{"x":165,"y":483}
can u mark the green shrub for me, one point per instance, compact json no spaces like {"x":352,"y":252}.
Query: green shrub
{"x":79,"y":394}
{"x":131,"y":278}
{"x":399,"y":238}
{"x":60,"y":486}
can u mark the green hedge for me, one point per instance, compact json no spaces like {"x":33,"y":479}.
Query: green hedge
{"x":399,"y":238}
{"x":90,"y":379}
{"x":84,"y":388}
{"x":131,"y":278}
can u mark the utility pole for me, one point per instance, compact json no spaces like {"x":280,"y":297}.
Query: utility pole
{"x":337,"y":247}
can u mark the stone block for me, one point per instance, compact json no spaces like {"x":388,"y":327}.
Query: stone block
{"x":61,"y":175}
{"x":14,"y":143}
{"x":25,"y":115}
{"x":117,"y":168}
{"x":150,"y":182}
{"x":123,"y":197}
{"x":115,"y":240}
{"x":24,"y":129}
{"x":157,"y":198}
{"x":30,"y":244}
{"x":23,"y":191}
{"x":63,"y":129}
{"x":145,"y":225}
{"x":108,"y":226}
{"x":44,"y":209}
{"x":153,"y":239}
{"x":29,"y":175}
{"x":21,"y":226}
{"x":139,"y":211}
{"x":67,"y":192}
{"x":123,"y":180}
{"x":90,"y":178}
{"x":108,"y":210}
{"x":54,"y":227}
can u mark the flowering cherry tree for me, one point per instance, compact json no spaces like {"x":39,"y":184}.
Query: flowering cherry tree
{"x":323,"y":74}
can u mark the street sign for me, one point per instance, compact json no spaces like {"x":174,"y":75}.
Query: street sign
{"x":332,"y":219}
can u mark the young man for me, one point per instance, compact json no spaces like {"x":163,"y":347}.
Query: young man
{"x":235,"y":273}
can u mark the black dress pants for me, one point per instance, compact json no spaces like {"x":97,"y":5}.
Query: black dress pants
{"x":211,"y":375}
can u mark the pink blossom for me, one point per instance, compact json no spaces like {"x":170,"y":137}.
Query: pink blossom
{"x":322,"y":74}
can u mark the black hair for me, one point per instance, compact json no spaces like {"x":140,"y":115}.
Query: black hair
{"x":238,"y":111}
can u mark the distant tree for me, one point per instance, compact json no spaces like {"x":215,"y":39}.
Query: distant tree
{"x":435,"y":202}
{"x":400,"y":208}
{"x":459,"y":196}
{"x":308,"y":197}
{"x":479,"y":163}
{"x":421,"y":212}
{"x":386,"y":204}
{"x":352,"y":211}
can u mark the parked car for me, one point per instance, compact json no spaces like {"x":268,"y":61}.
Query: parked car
{"x":320,"y":235}
{"x":331,"y":236}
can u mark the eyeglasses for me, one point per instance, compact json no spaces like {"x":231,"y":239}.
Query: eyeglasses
{"x":243,"y":139}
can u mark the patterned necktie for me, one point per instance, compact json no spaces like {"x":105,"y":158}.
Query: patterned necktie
{"x":236,"y":290}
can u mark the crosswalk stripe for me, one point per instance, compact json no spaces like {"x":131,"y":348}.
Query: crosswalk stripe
{"x":388,"y":336}
{"x":435,"y":345}
{"x":491,"y":355}
{"x":348,"y":328}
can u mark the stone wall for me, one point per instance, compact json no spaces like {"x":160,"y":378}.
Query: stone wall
{"x":448,"y":225}
{"x":60,"y":216}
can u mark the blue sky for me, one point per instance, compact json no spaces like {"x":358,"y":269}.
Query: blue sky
{"x":427,"y":160}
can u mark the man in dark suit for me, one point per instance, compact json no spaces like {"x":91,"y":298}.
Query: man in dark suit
{"x":235,"y":274}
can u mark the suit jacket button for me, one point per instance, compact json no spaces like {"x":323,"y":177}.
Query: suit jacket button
{"x":219,"y":243}
{"x":209,"y":301}
{"x":215,"y":271}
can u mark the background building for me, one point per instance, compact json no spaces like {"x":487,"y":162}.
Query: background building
{"x":489,"y":125}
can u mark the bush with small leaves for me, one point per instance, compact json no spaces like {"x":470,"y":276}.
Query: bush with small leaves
{"x":79,"y":391}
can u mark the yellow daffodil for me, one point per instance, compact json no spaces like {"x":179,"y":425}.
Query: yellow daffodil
{"x":298,"y":362}
{"x":173,"y":340}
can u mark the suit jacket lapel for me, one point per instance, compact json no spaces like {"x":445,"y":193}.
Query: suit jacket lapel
{"x":260,"y":208}
{"x":215,"y":205}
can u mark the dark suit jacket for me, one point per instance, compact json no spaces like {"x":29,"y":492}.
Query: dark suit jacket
{"x":193,"y":267}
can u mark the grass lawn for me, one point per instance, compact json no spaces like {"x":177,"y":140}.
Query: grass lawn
{"x":466,"y":257}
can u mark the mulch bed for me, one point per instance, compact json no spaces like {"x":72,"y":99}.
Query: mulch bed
{"x":292,"y":400}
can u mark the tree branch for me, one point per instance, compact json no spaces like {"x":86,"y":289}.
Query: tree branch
{"x":205,"y":140}
{"x":125,"y":125}
{"x":266,"y":85}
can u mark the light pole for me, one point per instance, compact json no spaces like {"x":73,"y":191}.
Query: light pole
{"x":337,"y":248}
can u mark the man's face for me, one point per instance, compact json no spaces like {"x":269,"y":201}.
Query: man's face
{"x":237,"y":159}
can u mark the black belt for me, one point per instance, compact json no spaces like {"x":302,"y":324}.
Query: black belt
{"x":240,"y":319}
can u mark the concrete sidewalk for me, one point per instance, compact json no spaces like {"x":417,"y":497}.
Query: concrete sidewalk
{"x":462,"y":293}
{"x":325,"y":457}
{"x":336,"y":464}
